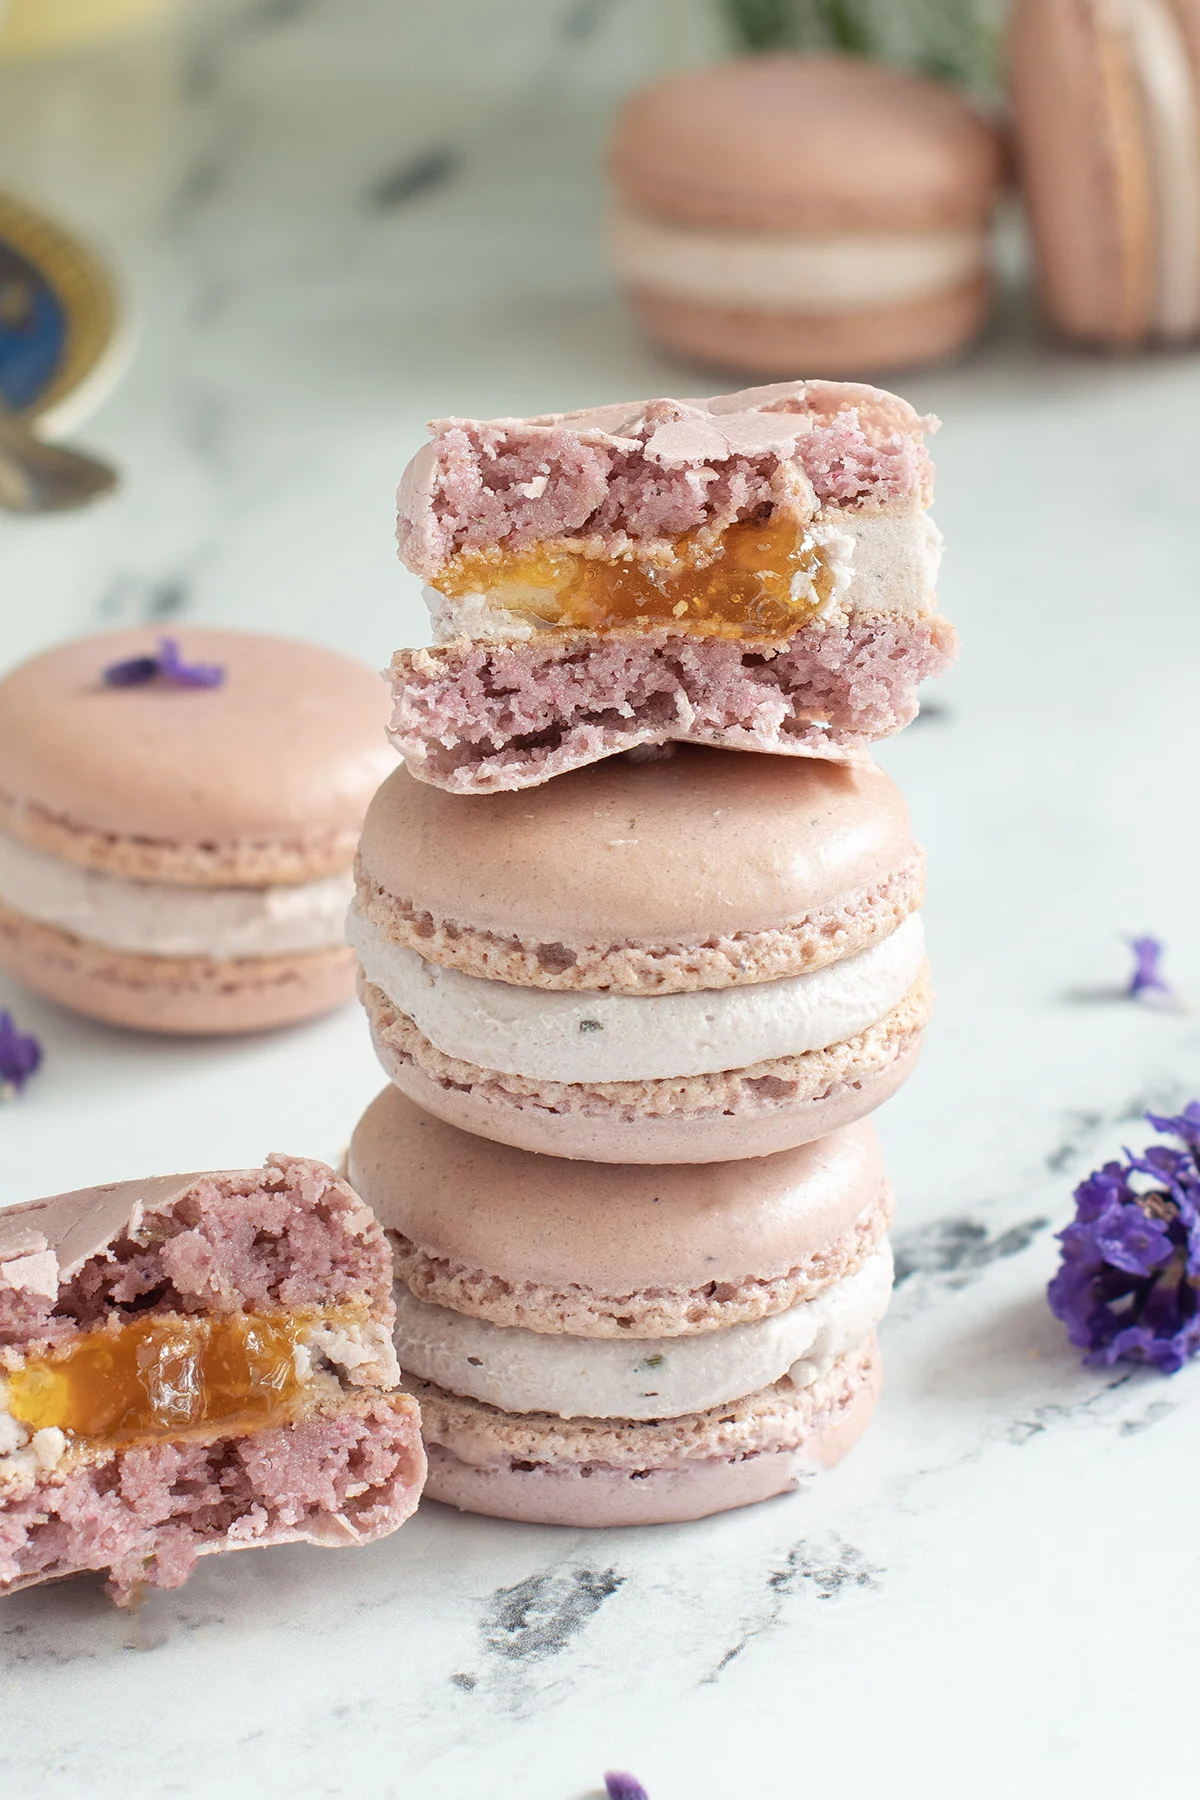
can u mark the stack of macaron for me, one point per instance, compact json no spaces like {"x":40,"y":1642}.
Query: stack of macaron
{"x":638,"y":936}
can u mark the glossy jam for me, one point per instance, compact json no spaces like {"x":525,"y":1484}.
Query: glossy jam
{"x":166,"y":1377}
{"x":763,"y":581}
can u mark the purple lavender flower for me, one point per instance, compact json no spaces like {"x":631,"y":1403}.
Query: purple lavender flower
{"x":620,"y":1786}
{"x":1128,"y":1288}
{"x":20,"y":1056}
{"x":1147,"y":978}
{"x":168,"y":664}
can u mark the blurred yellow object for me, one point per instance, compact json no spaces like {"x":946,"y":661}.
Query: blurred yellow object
{"x":40,"y":27}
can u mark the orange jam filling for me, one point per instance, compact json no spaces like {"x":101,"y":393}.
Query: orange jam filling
{"x":758,"y":580}
{"x":167,"y":1376}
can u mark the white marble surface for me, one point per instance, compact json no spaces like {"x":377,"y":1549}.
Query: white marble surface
{"x":994,"y":1595}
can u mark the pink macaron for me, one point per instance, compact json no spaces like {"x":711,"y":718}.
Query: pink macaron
{"x":699,"y":958}
{"x":1107,"y":108}
{"x":804,"y":212}
{"x":754,"y":570}
{"x":598,"y":1346}
{"x":177,"y":827}
{"x":196,"y":1363}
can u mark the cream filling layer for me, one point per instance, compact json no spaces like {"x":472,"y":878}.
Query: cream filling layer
{"x":153,"y":918}
{"x":523,"y":1371}
{"x":791,"y":272}
{"x":882,"y":563}
{"x":595,"y":1037}
{"x":1159,"y":54}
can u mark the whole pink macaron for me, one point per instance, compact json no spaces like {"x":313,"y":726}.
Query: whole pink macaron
{"x":1107,"y":105}
{"x":694,"y":959}
{"x":178,"y":825}
{"x":595,"y":1345}
{"x":804,"y":212}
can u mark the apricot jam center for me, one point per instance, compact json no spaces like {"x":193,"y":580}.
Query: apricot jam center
{"x":762,"y":580}
{"x":162,"y":1377}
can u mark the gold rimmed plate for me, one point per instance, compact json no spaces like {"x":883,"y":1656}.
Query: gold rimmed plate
{"x":63,"y":336}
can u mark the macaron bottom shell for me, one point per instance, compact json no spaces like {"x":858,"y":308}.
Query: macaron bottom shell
{"x":824,"y":1425}
{"x":183,"y":996}
{"x":857,"y":341}
{"x":830,"y":1088}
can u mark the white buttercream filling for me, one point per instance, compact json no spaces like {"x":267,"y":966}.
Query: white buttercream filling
{"x":793,"y":272}
{"x":1164,"y":72}
{"x":881,"y":563}
{"x":523,"y":1371}
{"x":156,"y":918}
{"x":25,"y":1455}
{"x":593,"y":1037}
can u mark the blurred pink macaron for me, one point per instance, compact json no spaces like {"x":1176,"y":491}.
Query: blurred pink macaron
{"x":178,"y":823}
{"x":1108,"y":128}
{"x":790,"y":212}
{"x":598,"y":1346}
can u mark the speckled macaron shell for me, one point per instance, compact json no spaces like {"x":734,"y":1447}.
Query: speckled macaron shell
{"x":609,"y":1472}
{"x":1106,"y":103}
{"x":757,"y":1111}
{"x":703,"y":869}
{"x":263,"y":779}
{"x":818,"y":147}
{"x":603,"y":1251}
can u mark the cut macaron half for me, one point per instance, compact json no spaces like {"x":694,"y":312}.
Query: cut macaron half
{"x":177,"y":834}
{"x":600,"y":1346}
{"x":192,"y":1364}
{"x":754,"y":571}
{"x":691,"y":959}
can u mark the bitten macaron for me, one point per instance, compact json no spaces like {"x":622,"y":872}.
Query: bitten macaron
{"x":595,"y":1345}
{"x":178,"y":823}
{"x":782,"y":213}
{"x":1107,"y":113}
{"x":699,"y":958}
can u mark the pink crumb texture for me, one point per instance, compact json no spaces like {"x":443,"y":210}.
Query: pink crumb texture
{"x":622,"y":477}
{"x":147,"y":1515}
{"x":483,"y":718}
{"x":287,"y":1236}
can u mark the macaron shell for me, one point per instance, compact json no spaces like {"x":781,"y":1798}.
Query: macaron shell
{"x":860,"y":340}
{"x":177,"y":995}
{"x":677,"y":850}
{"x":288,"y":749}
{"x":661,"y":1138}
{"x":615,"y":1230}
{"x":595,"y":1496}
{"x":811,"y":143}
{"x":1086,"y":169}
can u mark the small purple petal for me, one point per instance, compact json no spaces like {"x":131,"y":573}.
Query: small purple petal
{"x":173,"y":667}
{"x":1147,"y":977}
{"x":1128,"y":1285}
{"x":20,"y":1055}
{"x":620,"y":1786}
{"x":135,"y":672}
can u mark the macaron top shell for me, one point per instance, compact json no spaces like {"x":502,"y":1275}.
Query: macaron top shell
{"x":613,"y":1228}
{"x":677,"y":850}
{"x":288,"y":748}
{"x":819,"y":144}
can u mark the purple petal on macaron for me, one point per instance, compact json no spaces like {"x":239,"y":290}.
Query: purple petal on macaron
{"x":1128,"y":1286}
{"x":1147,"y":980}
{"x":135,"y":671}
{"x":619,"y":1785}
{"x":20,"y":1056}
{"x":173,"y":668}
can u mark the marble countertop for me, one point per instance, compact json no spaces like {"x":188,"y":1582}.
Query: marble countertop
{"x":335,"y":217}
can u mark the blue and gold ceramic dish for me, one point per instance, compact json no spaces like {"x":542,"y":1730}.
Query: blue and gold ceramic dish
{"x":59,"y":338}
